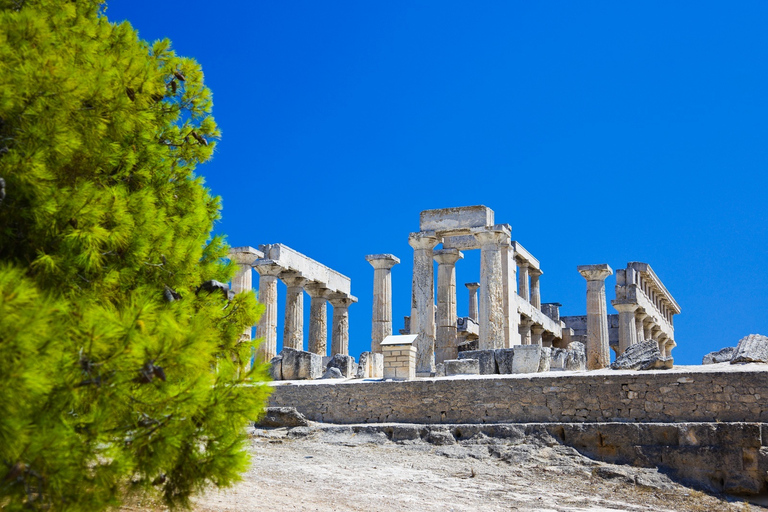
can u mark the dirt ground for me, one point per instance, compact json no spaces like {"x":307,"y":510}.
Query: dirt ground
{"x":318,"y":469}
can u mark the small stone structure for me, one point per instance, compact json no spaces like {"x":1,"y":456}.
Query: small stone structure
{"x":399,"y":357}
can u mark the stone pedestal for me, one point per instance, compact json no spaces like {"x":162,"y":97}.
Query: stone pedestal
{"x":318,"y":318}
{"x":472,"y":287}
{"x":381,"y":325}
{"x":535,"y":289}
{"x":598,"y":352}
{"x":522,"y":281}
{"x":340,"y":323}
{"x":267,"y":328}
{"x":293,"y":328}
{"x":400,"y":357}
{"x":423,"y":299}
{"x":491,"y":289}
{"x":446,"y":342}
{"x":627,"y":327}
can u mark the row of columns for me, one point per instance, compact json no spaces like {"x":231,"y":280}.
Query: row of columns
{"x":635,"y":325}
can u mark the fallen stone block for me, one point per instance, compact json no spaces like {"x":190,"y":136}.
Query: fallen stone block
{"x":723,"y":355}
{"x":345,"y":364}
{"x":332,"y":373}
{"x":544,"y":362}
{"x":276,"y":367}
{"x":279,"y":417}
{"x":641,"y":356}
{"x":371,"y":366}
{"x":301,"y":365}
{"x":576,"y":358}
{"x":440,"y":370}
{"x":557,"y":359}
{"x":751,"y":349}
{"x":462,"y":367}
{"x":487,"y":360}
{"x":527,"y":358}
{"x":504,"y":357}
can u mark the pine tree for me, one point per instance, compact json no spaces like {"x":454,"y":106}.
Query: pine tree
{"x":119,"y":372}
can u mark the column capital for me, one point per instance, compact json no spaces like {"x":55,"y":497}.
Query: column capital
{"x":423,"y":240}
{"x":526,"y":322}
{"x":624,"y":307}
{"x":340,"y":299}
{"x":536,"y":328}
{"x":640,"y":314}
{"x":447,"y":256}
{"x":292,"y":278}
{"x":317,"y":290}
{"x":244,"y":255}
{"x":595,"y":272}
{"x":382,"y":260}
{"x":472,"y":286}
{"x":267,"y":267}
{"x":485,"y":238}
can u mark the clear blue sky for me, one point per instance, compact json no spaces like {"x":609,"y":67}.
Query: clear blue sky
{"x":603,"y":132}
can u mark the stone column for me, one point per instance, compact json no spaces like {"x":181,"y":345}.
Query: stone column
{"x":509,"y":278}
{"x":340,"y":323}
{"x":381,"y":325}
{"x":640,"y":317}
{"x":535,"y":291}
{"x":522,"y":281}
{"x":446,"y":343}
{"x":525,"y":331}
{"x":243,"y":280}
{"x":647,"y":328}
{"x":267,"y":328}
{"x":656,"y":333}
{"x":472,"y":299}
{"x":293,"y":328}
{"x":627,"y":327}
{"x":318,"y":318}
{"x":536,"y":332}
{"x":598,"y":351}
{"x":423,"y":299}
{"x":491,"y":289}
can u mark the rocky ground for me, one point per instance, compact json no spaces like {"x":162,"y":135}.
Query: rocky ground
{"x":333,"y":469}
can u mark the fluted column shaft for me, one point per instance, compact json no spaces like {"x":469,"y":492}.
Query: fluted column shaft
{"x":491,"y":289}
{"x":423,"y":297}
{"x":525,"y":331}
{"x":340,"y":324}
{"x":598,"y":351}
{"x":242,"y":281}
{"x":627,"y":327}
{"x":639,"y":320}
{"x":535,"y":290}
{"x":522,"y":281}
{"x":446,"y":344}
{"x":381,"y":324}
{"x":318,"y":318}
{"x":267,"y":327}
{"x":473,"y":299}
{"x":293,"y":328}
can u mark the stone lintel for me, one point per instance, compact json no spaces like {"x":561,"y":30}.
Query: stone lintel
{"x":245,"y":255}
{"x":457,"y":218}
{"x":382,"y":260}
{"x":522,"y":255}
{"x":595,"y":272}
{"x":291,"y":259}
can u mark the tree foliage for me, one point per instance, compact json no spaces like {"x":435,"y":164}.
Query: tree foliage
{"x":118,"y":372}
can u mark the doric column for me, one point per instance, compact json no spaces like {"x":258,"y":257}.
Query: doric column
{"x":655,"y":332}
{"x":381,"y":325}
{"x":536,"y":332}
{"x":598,"y":351}
{"x":627,"y":327}
{"x":242,"y":281}
{"x":648,"y":328}
{"x":267,"y":328}
{"x":491,"y":289}
{"x":525,"y":331}
{"x":446,"y":346}
{"x":535,"y":291}
{"x":522,"y":281}
{"x":318,"y":318}
{"x":340,"y":323}
{"x":509,"y":278}
{"x":640,"y":317}
{"x":423,"y":297}
{"x":472,"y":299}
{"x":293,"y":328}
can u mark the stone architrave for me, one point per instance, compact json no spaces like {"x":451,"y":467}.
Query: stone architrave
{"x":472,"y":299}
{"x":446,"y":343}
{"x":267,"y":328}
{"x":536,"y":335}
{"x":491,"y":289}
{"x":293,"y":329}
{"x":627,"y":327}
{"x":318,"y":318}
{"x":423,"y":299}
{"x":522,"y":281}
{"x":381,"y":326}
{"x":598,"y":352}
{"x":340,"y":323}
{"x":535,"y":289}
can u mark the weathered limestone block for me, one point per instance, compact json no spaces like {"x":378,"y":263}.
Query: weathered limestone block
{"x":345,"y":364}
{"x":458,"y":218}
{"x":301,"y":365}
{"x":371,"y":366}
{"x":279,"y":417}
{"x":504,"y":358}
{"x":544,"y":362}
{"x":557,"y":359}
{"x":332,"y":373}
{"x":641,"y":356}
{"x":276,"y":367}
{"x":723,"y":355}
{"x":576,"y":359}
{"x":487,"y":360}
{"x":751,"y":349}
{"x":527,"y":358}
{"x":462,"y":367}
{"x":440,"y":370}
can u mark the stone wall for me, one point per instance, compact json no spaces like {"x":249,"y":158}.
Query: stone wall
{"x":706,"y":394}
